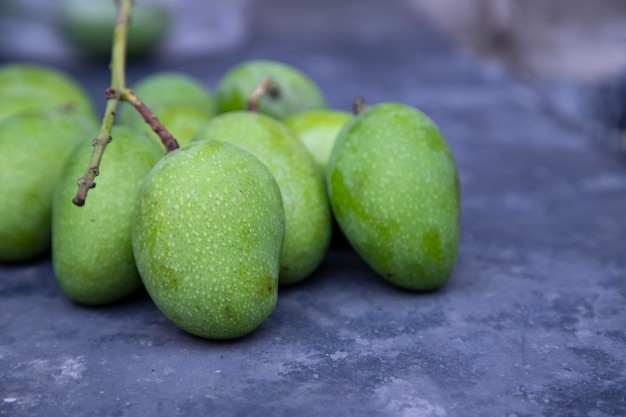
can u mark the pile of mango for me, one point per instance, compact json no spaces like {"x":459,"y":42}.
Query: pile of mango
{"x":248,"y":203}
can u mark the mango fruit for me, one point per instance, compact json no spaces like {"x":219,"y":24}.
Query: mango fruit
{"x":394,"y":189}
{"x":92,"y":253}
{"x":25,"y":85}
{"x":308,"y":226}
{"x":207,"y":234}
{"x":34,"y":145}
{"x":318,"y":130}
{"x":296,"y":91}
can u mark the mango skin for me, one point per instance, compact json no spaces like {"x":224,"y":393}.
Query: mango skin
{"x":318,"y":130}
{"x":26,"y":86}
{"x":34,"y":145}
{"x":394,"y":190}
{"x":308,"y":221}
{"x":207,"y":234}
{"x":92,"y":253}
{"x":297,"y":91}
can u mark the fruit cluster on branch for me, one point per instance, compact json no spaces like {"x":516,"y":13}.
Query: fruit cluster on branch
{"x":257,"y":176}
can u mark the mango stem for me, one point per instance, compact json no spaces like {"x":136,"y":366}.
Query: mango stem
{"x":267,"y":87}
{"x":167,"y":139}
{"x":117,"y":92}
{"x":359,"y":105}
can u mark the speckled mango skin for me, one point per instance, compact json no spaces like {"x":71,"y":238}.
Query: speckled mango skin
{"x":92,"y":253}
{"x":207,"y":234}
{"x":308,"y":226}
{"x":318,"y":130}
{"x":297,"y":91}
{"x":34,"y":145}
{"x":394,"y":190}
{"x":33,"y":86}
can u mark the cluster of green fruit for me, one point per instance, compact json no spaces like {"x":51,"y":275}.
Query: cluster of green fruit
{"x":244,"y":205}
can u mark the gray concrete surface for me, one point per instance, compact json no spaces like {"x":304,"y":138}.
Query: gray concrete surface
{"x":532,"y":323}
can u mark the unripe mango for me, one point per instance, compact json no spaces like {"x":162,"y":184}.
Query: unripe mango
{"x":318,"y":130}
{"x":394,"y":190}
{"x":34,"y":145}
{"x":296,"y":91}
{"x":26,"y":86}
{"x":308,"y":226}
{"x":92,"y":253}
{"x":207,"y":234}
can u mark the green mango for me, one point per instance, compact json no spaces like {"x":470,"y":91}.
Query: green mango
{"x":207,"y":234}
{"x":164,"y":89}
{"x":297,"y":92}
{"x":318,"y":130}
{"x":28,"y":86}
{"x":34,"y":145}
{"x":88,"y":27}
{"x":92,"y":251}
{"x":308,"y":226}
{"x":394,"y":190}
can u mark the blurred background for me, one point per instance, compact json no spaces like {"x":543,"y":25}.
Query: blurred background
{"x":577,"y":39}
{"x":572,"y":51}
{"x":38,"y":29}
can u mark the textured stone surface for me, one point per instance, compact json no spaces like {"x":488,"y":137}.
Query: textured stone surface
{"x":532,"y":323}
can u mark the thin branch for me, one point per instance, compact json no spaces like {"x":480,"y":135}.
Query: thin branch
{"x":118,"y":91}
{"x":117,"y":65}
{"x":120,"y":41}
{"x":87,"y":181}
{"x":166,"y":137}
{"x":359,"y":105}
{"x":266,"y":87}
